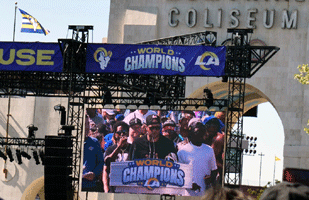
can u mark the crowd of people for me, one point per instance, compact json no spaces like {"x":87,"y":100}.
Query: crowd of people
{"x":190,"y":137}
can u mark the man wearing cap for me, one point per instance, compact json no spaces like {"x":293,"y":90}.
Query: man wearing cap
{"x":135,"y":129}
{"x":168,"y":130}
{"x":201,"y":157}
{"x":153,"y":144}
{"x":140,"y":114}
{"x":118,"y":152}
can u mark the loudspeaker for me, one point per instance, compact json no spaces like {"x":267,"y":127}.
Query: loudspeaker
{"x":58,"y":167}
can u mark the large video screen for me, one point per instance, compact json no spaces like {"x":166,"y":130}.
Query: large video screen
{"x":152,"y":151}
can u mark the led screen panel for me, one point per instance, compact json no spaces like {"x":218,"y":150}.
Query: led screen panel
{"x":152,"y":151}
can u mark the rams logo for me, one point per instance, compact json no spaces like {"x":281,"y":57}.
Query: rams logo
{"x":212,"y":60}
{"x":104,"y":57}
{"x":152,"y":183}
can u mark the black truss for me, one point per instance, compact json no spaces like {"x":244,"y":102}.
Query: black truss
{"x":22,"y":142}
{"x":208,"y":38}
{"x":166,"y":92}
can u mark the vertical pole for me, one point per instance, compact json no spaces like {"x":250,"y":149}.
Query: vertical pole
{"x":274,"y":172}
{"x":9,"y":103}
{"x":260,"y":168}
{"x":14,"y":22}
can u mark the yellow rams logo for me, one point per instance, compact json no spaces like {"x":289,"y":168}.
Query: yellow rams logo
{"x":152,"y":183}
{"x":103,"y":58}
{"x":212,"y":59}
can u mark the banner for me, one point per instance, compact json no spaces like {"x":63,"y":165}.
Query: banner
{"x":43,"y":57}
{"x":155,"y":59}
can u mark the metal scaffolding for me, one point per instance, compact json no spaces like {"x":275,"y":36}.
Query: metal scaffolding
{"x":165,"y":92}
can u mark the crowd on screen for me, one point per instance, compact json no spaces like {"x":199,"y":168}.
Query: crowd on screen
{"x":189,"y":137}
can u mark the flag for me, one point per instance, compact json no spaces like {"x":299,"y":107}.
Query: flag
{"x":31,"y":25}
{"x":277,"y":159}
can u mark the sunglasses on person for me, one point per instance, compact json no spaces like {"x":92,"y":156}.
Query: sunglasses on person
{"x":152,"y":128}
{"x":122,"y":132}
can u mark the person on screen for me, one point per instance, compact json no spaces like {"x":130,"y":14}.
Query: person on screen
{"x":153,"y":144}
{"x":93,"y":164}
{"x":215,"y":139}
{"x":135,"y":129}
{"x":169,"y":131}
{"x":95,"y":117}
{"x":140,"y":114}
{"x":109,"y":118}
{"x":201,"y":157}
{"x":118,"y":152}
{"x":185,"y":117}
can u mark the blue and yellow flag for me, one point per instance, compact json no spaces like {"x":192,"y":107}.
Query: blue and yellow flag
{"x":31,"y":25}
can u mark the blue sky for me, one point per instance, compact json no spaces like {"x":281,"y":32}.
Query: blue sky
{"x":56,"y":15}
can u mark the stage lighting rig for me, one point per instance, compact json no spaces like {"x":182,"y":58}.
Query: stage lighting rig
{"x":250,"y":150}
{"x":18,"y":155}
{"x":42,"y":156}
{"x":36,"y":157}
{"x":208,"y":97}
{"x":31,"y":129}
{"x":25,"y":155}
{"x":62,"y":111}
{"x":10,"y":154}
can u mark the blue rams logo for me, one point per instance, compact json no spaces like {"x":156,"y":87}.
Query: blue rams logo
{"x":212,"y":60}
{"x":104,"y":57}
{"x":152,"y":183}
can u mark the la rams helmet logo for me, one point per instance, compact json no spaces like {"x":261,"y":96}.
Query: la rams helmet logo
{"x":212,"y":59}
{"x":152,"y":183}
{"x":103,"y":58}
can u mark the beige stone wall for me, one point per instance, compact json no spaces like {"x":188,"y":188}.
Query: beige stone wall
{"x":275,"y":79}
{"x":25,"y":111}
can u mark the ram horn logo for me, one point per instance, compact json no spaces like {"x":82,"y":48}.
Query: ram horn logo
{"x":212,"y":60}
{"x":152,"y":183}
{"x":104,"y":57}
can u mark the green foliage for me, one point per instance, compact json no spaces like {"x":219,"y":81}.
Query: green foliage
{"x":258,"y":193}
{"x":303,"y":78}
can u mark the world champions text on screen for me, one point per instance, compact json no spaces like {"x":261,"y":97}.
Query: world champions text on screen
{"x":153,"y":173}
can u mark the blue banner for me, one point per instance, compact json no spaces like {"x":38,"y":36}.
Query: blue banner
{"x":155,"y":59}
{"x":43,"y":57}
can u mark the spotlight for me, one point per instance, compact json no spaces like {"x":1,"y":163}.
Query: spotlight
{"x":59,"y":107}
{"x":62,"y":111}
{"x":36,"y":157}
{"x":18,"y":154}
{"x":42,"y":156}
{"x":209,"y":97}
{"x":2,"y":155}
{"x":225,"y":79}
{"x":25,"y":155}
{"x":10,"y":154}
{"x":31,"y":129}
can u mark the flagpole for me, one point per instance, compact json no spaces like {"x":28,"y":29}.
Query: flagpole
{"x":14,"y":22}
{"x":5,"y":170}
{"x":274,"y":171}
